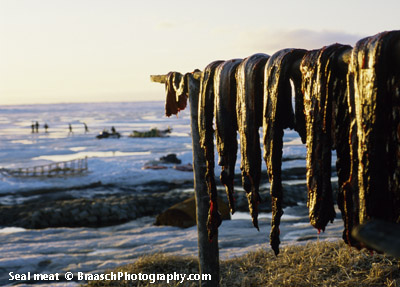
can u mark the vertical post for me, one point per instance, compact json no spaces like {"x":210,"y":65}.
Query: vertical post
{"x":208,"y":251}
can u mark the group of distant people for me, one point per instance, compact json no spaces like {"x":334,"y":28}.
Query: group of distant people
{"x":35,"y":127}
{"x":104,"y":134}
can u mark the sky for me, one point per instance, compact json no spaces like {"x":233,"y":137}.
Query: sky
{"x":62,"y":51}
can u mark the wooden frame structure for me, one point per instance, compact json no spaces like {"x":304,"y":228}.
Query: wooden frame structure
{"x":208,"y":251}
{"x":58,"y":169}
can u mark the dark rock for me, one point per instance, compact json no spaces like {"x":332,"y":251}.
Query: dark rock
{"x":170,"y":158}
{"x":183,"y":214}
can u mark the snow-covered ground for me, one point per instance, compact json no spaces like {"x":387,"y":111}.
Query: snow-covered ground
{"x":118,"y":162}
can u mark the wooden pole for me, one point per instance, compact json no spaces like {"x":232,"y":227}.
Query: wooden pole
{"x":208,"y":251}
{"x":163,"y":78}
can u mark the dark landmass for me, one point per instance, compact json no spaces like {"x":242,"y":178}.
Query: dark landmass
{"x":56,"y":208}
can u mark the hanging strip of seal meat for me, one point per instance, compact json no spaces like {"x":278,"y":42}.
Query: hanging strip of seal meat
{"x":278,"y":115}
{"x":226,"y":124}
{"x":348,"y":197}
{"x":375,"y":77}
{"x":320,"y":72}
{"x":249,"y":103}
{"x":344,"y":138}
{"x":206,"y":131}
{"x":176,"y":93}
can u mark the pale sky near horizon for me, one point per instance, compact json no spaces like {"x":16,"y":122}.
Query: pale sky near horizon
{"x":60,"y":51}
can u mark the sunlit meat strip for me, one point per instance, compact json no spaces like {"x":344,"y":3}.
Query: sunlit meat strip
{"x":320,"y":75}
{"x":226,"y":124}
{"x":374,"y":85}
{"x":249,"y":104}
{"x":176,"y":93}
{"x":278,"y":115}
{"x":206,"y":131}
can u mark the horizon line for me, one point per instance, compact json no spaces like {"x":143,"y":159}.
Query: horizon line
{"x":72,"y":102}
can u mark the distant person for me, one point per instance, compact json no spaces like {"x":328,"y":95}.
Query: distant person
{"x":46,"y":127}
{"x":86,"y":128}
{"x":33,"y":127}
{"x":70,"y":129}
{"x":37,"y":127}
{"x":113,"y":130}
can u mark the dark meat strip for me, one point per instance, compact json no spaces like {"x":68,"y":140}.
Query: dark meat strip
{"x":320,"y":72}
{"x":299,"y":115}
{"x":226,"y":124}
{"x":348,"y":196}
{"x":375,"y":81}
{"x":176,"y":93}
{"x":344,"y":140}
{"x":278,"y":115}
{"x":206,"y":131}
{"x":348,"y":199}
{"x":249,"y":103}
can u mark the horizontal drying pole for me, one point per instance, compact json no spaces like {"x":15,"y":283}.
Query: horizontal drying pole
{"x":344,"y":58}
{"x":163,"y":78}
